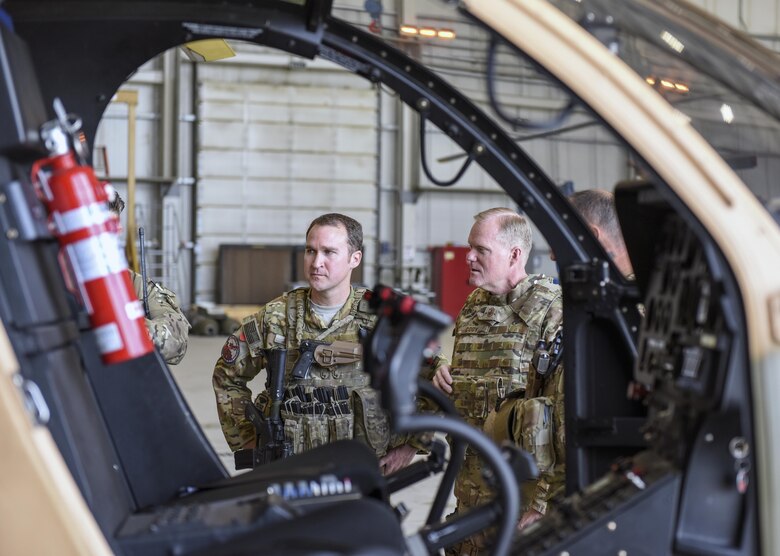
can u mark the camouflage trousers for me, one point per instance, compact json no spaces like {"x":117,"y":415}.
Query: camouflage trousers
{"x":524,"y":422}
{"x":471,"y":491}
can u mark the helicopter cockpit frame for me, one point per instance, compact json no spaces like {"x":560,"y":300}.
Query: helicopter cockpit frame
{"x":682,"y":464}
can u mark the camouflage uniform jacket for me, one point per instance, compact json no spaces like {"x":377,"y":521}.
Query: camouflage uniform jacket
{"x":495,"y":340}
{"x":243,"y":357}
{"x":168,"y":326}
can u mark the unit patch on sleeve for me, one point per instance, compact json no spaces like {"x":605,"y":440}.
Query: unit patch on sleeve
{"x":231,"y":349}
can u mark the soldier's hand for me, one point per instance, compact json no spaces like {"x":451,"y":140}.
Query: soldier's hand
{"x":443,"y":380}
{"x":528,"y":518}
{"x":396,"y":459}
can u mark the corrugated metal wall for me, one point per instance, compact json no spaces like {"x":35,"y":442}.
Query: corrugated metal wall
{"x":277,"y":147}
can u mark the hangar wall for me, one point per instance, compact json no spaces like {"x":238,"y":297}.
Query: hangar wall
{"x":220,"y":144}
{"x":280,"y":141}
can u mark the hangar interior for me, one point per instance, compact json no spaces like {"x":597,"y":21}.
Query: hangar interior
{"x":225,"y":162}
{"x":241,"y":153}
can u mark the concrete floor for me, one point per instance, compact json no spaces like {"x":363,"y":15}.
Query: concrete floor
{"x":193,"y":375}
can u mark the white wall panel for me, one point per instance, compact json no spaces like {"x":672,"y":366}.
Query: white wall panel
{"x":277,"y":148}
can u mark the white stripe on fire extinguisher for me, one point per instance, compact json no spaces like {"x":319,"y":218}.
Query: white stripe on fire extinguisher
{"x":108,"y":338}
{"x":135,"y":310}
{"x":96,"y":257}
{"x":80,"y":218}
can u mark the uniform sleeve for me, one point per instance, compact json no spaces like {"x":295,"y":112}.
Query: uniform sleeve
{"x":553,"y":482}
{"x":168,"y":326}
{"x":233,"y":370}
{"x":553,"y":320}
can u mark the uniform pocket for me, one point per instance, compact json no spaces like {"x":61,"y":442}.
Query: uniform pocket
{"x":263,"y":403}
{"x":293,"y":431}
{"x":534,"y":430}
{"x":340,"y":428}
{"x":315,"y":431}
{"x":371,"y":423}
{"x":475,"y":396}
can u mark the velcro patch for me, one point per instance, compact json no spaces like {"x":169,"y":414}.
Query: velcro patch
{"x":252,"y":333}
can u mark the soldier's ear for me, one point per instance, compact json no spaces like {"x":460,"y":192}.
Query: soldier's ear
{"x":355,"y":258}
{"x":515,"y":255}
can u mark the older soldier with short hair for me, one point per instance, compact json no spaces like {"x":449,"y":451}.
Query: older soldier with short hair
{"x":597,"y":208}
{"x":167,"y":325}
{"x":496,"y":335}
{"x":330,"y":309}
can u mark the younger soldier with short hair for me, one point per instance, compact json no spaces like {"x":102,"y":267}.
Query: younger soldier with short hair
{"x":496,"y":335}
{"x":333,"y":401}
{"x":167,"y":325}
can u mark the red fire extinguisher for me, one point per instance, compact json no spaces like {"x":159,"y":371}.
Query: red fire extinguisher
{"x":88,"y":236}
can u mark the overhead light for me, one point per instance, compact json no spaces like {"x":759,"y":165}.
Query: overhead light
{"x":672,"y":41}
{"x":427,"y":32}
{"x":208,"y":50}
{"x":667,"y":84}
{"x":726,"y":113}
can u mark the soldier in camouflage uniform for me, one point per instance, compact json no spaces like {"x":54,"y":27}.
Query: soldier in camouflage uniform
{"x":167,"y":325}
{"x":334,"y":401}
{"x":496,"y":336}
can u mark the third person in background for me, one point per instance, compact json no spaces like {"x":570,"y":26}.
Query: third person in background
{"x":166,"y":323}
{"x":503,"y":323}
{"x":597,"y":208}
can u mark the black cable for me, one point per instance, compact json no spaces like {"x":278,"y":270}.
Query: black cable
{"x":424,"y":158}
{"x":511,"y":120}
{"x":457,"y":452}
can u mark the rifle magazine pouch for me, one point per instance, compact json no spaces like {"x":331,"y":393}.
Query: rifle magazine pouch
{"x":315,"y":431}
{"x":340,"y":427}
{"x":371,"y":423}
{"x":533,"y":430}
{"x":293,"y":430}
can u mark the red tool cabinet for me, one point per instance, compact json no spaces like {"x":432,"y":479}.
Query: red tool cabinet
{"x":450,"y":277}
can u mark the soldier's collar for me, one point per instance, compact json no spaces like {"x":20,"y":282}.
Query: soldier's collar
{"x":345,"y":310}
{"x":521,"y":288}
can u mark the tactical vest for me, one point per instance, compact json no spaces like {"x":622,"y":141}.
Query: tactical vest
{"x":332,"y":402}
{"x":346,"y":328}
{"x":495,"y":339}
